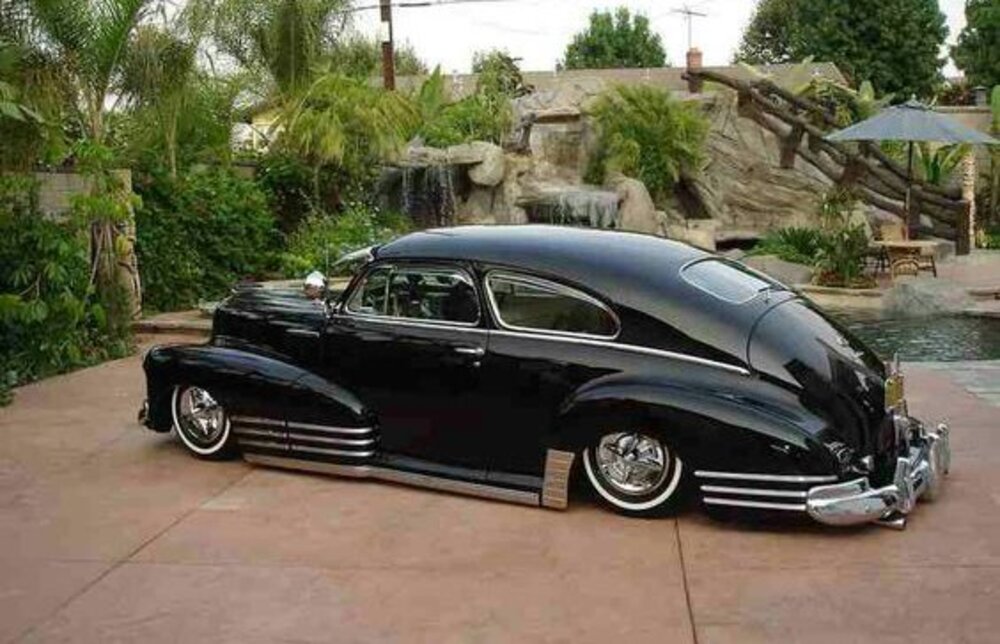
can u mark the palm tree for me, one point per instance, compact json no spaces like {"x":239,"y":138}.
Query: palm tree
{"x":282,"y":41}
{"x":89,"y":40}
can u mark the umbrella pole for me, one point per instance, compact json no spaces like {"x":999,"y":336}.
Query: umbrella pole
{"x":911,"y":227}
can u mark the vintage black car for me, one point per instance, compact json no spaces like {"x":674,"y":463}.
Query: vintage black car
{"x":490,"y":360}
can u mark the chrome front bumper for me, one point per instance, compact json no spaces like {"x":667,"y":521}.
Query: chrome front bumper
{"x":919,"y":475}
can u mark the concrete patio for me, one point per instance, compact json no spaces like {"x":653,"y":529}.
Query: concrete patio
{"x":111,"y":533}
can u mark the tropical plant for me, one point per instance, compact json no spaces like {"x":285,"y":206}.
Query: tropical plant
{"x":201,"y":233}
{"x":157,"y":72}
{"x":902,"y":60}
{"x":799,"y":245}
{"x":845,"y":104}
{"x":499,"y":73}
{"x":50,"y":318}
{"x":646,"y":133}
{"x":841,"y":258}
{"x":281,"y":42}
{"x":993,"y":207}
{"x":344,"y":123}
{"x":978,"y":50}
{"x":615,"y":40}
{"x":322,"y":238}
{"x":937,"y":163}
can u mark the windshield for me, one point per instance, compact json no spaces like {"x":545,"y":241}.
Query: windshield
{"x":345,"y":268}
{"x":728,"y":280}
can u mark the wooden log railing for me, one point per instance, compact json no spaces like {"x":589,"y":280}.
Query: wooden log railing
{"x":875,"y":177}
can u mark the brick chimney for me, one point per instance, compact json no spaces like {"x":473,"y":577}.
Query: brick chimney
{"x":694,"y":58}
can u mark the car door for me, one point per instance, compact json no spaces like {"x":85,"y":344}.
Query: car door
{"x":409,"y":341}
{"x":546,"y":345}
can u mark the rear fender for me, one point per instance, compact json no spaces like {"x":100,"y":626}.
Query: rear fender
{"x":743,"y":425}
{"x":247,"y":384}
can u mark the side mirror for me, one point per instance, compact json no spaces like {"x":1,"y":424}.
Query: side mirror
{"x":315,"y":285}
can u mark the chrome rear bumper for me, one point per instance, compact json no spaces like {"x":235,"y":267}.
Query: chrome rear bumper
{"x":918,"y":475}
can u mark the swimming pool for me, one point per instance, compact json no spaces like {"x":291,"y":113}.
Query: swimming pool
{"x":939,"y":338}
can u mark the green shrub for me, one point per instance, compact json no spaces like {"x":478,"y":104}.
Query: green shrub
{"x":647,"y":134}
{"x":199,"y":235}
{"x":50,"y":319}
{"x":484,"y":116}
{"x":799,"y":245}
{"x":841,"y":258}
{"x":991,"y":238}
{"x":320,"y":239}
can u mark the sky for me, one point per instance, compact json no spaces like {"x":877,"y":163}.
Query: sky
{"x":537,"y":31}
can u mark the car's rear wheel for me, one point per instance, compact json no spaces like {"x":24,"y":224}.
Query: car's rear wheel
{"x":202,"y":423}
{"x":635,"y":473}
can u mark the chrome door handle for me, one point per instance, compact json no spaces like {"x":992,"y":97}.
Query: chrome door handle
{"x":476,"y":352}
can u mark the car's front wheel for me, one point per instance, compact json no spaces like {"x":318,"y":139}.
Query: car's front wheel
{"x":636,"y":473}
{"x":202,"y":423}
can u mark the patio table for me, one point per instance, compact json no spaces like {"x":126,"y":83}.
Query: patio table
{"x":908,"y":257}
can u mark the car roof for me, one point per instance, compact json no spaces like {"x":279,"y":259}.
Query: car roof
{"x":598,"y":259}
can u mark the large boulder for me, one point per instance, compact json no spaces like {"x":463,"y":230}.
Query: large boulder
{"x":491,"y":170}
{"x":636,"y":210}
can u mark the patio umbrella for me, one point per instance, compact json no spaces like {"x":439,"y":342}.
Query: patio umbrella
{"x":911,"y":122}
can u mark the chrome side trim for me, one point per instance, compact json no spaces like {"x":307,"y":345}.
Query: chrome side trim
{"x":774,"y":478}
{"x":354,"y":431}
{"x":263,"y":433}
{"x":749,"y":491}
{"x":555,"y":287}
{"x":264,"y":444}
{"x":555,"y":486}
{"x":331,"y":452}
{"x":407,"y":322}
{"x":347,"y":442}
{"x":762,"y":505}
{"x":255,"y":420}
{"x":397,"y":476}
{"x":631,"y":348}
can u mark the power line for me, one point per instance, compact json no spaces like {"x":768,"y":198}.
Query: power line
{"x":423,"y":4}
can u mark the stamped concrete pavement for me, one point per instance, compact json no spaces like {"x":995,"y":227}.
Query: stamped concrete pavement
{"x":110,"y":533}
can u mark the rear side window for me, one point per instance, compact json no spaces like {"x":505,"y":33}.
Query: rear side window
{"x":417,"y":293}
{"x":530,"y":304}
{"x":726,"y":281}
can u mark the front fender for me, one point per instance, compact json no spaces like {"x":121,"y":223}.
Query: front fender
{"x":738,"y":424}
{"x":247,"y":384}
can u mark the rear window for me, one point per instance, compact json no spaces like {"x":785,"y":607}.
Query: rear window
{"x":727,"y":281}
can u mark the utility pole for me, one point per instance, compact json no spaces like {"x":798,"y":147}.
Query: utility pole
{"x":388,"y":55}
{"x":690,"y":14}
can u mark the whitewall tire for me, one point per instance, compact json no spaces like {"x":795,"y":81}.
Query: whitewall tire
{"x":635,"y":473}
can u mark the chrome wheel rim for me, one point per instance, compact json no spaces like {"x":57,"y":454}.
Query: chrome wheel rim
{"x":633,"y":464}
{"x":200,"y":416}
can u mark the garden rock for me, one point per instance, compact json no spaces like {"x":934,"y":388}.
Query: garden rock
{"x":491,"y":170}
{"x":636,"y":210}
{"x":789,"y":273}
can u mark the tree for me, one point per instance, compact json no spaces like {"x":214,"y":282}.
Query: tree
{"x":362,"y":57}
{"x":771,"y":35}
{"x":157,"y":72}
{"x":893,"y":43}
{"x":284,"y":42}
{"x":499,"y":73}
{"x":614,"y":41}
{"x":978,"y":50}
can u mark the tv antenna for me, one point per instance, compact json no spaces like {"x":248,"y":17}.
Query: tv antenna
{"x":690,"y":14}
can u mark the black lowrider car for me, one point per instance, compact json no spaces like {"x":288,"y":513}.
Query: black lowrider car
{"x":489,"y":360}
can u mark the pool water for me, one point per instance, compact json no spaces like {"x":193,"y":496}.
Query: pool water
{"x":939,"y":339}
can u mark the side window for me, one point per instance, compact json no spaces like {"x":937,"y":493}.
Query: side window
{"x":372,"y":295}
{"x":536,"y":305}
{"x":418,"y":293}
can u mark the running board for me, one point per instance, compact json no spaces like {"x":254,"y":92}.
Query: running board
{"x":399,"y":476}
